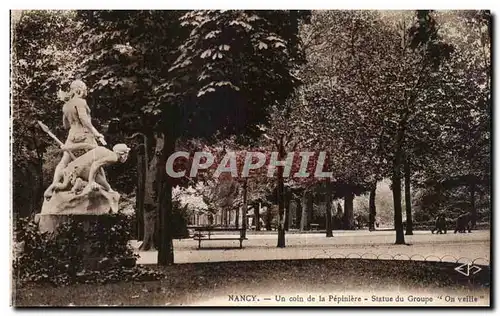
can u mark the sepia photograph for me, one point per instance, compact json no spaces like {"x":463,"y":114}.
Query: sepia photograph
{"x":251,"y":158}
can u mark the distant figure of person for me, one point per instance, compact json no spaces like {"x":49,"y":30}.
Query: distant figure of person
{"x":440,"y":225}
{"x":463,"y":223}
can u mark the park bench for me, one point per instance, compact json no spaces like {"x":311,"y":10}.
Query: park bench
{"x":314,"y":226}
{"x":210,"y":236}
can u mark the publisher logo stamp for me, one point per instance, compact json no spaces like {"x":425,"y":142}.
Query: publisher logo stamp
{"x":468,"y":269}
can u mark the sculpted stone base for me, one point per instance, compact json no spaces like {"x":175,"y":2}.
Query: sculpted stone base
{"x":68,"y":203}
{"x":87,"y":202}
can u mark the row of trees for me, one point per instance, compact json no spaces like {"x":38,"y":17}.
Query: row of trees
{"x":382,"y":88}
{"x":398,"y":94}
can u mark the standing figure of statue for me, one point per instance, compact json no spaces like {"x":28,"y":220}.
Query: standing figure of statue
{"x":76,"y":118}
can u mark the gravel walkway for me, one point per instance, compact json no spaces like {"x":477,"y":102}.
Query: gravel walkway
{"x":421,"y":246}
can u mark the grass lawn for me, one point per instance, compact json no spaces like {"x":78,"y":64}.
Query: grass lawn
{"x":186,"y":284}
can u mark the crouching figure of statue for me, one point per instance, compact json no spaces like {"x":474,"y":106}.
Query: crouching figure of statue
{"x":84,"y":188}
{"x":89,"y":167}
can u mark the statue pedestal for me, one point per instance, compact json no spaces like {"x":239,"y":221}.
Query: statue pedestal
{"x":89,"y":208}
{"x":63,"y":205}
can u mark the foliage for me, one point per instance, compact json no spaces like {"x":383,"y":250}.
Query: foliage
{"x":129,"y":63}
{"x":42,"y":62}
{"x":211,"y":197}
{"x":45,"y":258}
{"x":461,"y":145}
{"x":337,"y":103}
{"x":232,"y":66}
{"x":363,"y":62}
{"x":58,"y":258}
{"x":125,"y":55}
{"x":430,"y":202}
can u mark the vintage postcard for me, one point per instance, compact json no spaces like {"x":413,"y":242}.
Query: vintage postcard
{"x":337,"y":158}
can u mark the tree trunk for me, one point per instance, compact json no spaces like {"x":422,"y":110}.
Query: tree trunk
{"x":298,"y":213}
{"x":150,"y":216}
{"x":396,"y":182}
{"x":166,"y":247}
{"x":409,"y":219}
{"x":303,"y":217}
{"x":348,"y":219}
{"x":237,"y":218}
{"x":329,"y":232}
{"x":269,"y":217}
{"x":256,"y":210}
{"x":309,"y":209}
{"x":372,"y":208}
{"x":287,"y":197}
{"x":151,"y":197}
{"x":141,"y":189}
{"x":245,"y":210}
{"x":473,"y":210}
{"x":396,"y":194}
{"x":281,"y":198}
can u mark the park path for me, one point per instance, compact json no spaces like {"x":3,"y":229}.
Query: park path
{"x":422,"y":246}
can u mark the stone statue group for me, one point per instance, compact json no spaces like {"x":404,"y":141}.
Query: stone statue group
{"x":80,"y":172}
